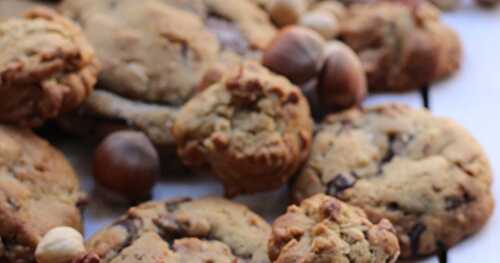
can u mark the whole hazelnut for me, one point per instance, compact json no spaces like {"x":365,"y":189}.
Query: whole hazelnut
{"x":60,"y":245}
{"x":487,"y":3}
{"x":286,"y":12}
{"x":334,"y":8}
{"x":127,"y":163}
{"x":296,"y":53}
{"x":322,"y":22}
{"x":342,"y":81}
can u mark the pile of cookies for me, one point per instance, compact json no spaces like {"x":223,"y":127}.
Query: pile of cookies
{"x":260,"y":95}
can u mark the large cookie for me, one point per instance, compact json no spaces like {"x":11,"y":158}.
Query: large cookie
{"x":252,"y":129}
{"x":426,"y":174}
{"x":38,"y":191}
{"x":47,"y":67}
{"x":156,"y":54}
{"x":324,"y":229}
{"x":184,"y":230}
{"x":402,"y":47}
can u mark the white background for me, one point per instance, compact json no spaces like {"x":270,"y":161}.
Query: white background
{"x":472,"y":97}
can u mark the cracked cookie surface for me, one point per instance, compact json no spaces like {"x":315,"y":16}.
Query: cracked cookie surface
{"x":401,"y":46}
{"x":426,"y":174}
{"x":47,"y":67}
{"x":252,"y":129}
{"x":324,"y":229}
{"x":38,"y":191}
{"x":185,"y":230}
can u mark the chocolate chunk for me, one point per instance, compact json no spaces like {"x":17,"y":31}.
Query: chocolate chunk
{"x":454,"y":202}
{"x":390,"y":151}
{"x":1,"y":248}
{"x":340,"y":183}
{"x":414,"y":235}
{"x":442,"y":252}
{"x":393,"y":206}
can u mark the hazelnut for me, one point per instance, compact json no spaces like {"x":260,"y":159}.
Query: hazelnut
{"x":322,"y":22}
{"x":342,"y":81}
{"x":60,"y":245}
{"x":127,"y":163}
{"x":286,"y":12}
{"x":332,"y":8}
{"x":295,"y":53}
{"x":487,"y":3}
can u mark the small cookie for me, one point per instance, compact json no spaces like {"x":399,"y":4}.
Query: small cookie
{"x":252,"y":128}
{"x":184,"y":230}
{"x":47,"y":67}
{"x":402,"y":47}
{"x":38,"y":191}
{"x":324,"y":229}
{"x":426,"y":174}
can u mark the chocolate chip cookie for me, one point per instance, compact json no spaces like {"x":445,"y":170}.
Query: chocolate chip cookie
{"x":157,"y":53}
{"x":47,"y":67}
{"x":402,"y":46}
{"x":324,"y":229}
{"x":38,"y":191}
{"x":252,"y":129}
{"x":184,"y":230}
{"x":426,"y":174}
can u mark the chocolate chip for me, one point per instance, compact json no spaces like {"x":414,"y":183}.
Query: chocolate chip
{"x":390,"y":151}
{"x":414,"y":236}
{"x":340,"y":183}
{"x":393,"y":206}
{"x":442,"y":252}
{"x":454,"y":202}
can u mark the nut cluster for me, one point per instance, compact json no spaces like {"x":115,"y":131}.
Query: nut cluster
{"x":335,"y":70}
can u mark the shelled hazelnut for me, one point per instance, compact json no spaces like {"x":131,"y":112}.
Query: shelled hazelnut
{"x":342,"y":81}
{"x":60,"y":245}
{"x":286,"y":12}
{"x":296,"y":53}
{"x":323,"y":23}
{"x":127,"y":163}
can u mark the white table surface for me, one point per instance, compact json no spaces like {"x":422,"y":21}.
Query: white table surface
{"x":472,"y":97}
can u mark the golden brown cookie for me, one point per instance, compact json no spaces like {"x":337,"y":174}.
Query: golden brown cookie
{"x":38,"y":191}
{"x":47,"y":67}
{"x":184,"y":230}
{"x":324,"y":229}
{"x":252,"y":128}
{"x":402,"y":46}
{"x":426,"y":174}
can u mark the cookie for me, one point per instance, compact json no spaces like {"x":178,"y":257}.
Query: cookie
{"x":402,"y":47}
{"x":426,"y":174}
{"x":184,"y":230}
{"x":38,"y":191}
{"x":51,"y":72}
{"x":252,"y":129}
{"x":324,"y":229}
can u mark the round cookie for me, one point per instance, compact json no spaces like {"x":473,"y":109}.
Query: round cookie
{"x":38,"y":191}
{"x":324,"y":229}
{"x":401,"y":47}
{"x":145,"y":70}
{"x":426,"y":174}
{"x":184,"y":230}
{"x":252,"y":129}
{"x":47,"y":67}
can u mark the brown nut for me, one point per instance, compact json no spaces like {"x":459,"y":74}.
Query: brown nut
{"x":286,"y":12}
{"x":87,"y":258}
{"x":323,"y":23}
{"x":343,"y":81}
{"x":487,"y":3}
{"x":295,"y":53}
{"x":127,"y":163}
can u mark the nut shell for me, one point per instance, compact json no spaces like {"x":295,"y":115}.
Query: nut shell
{"x":342,"y":81}
{"x":295,"y":53}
